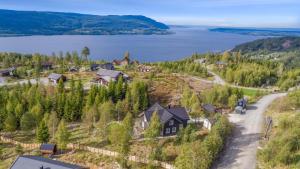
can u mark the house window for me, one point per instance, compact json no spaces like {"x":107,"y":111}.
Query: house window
{"x":174,"y":129}
{"x":167,"y":130}
{"x":171,"y":123}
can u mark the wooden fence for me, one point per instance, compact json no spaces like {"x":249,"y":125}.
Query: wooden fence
{"x":93,"y":150}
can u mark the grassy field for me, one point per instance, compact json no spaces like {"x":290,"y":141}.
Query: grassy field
{"x":281,"y":149}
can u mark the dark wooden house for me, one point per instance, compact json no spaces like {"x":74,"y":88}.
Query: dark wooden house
{"x":48,"y":149}
{"x":172,"y":119}
{"x":47,"y":65}
{"x":7,"y":72}
{"x":107,"y":66}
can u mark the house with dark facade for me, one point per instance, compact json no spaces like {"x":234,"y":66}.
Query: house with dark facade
{"x":172,"y":119}
{"x":108,"y":66}
{"x":47,"y":65}
{"x":7,"y":72}
{"x":36,"y":162}
{"x":105,"y":76}
{"x":55,"y":78}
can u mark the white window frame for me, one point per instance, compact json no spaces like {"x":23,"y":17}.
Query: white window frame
{"x":168,"y":130}
{"x":174,"y":129}
{"x":171,"y":122}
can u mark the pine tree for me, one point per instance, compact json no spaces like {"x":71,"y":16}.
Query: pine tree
{"x":85,"y":52}
{"x":52,"y":123}
{"x":10,"y":123}
{"x":62,"y":135}
{"x":154,"y":128}
{"x":106,"y":114}
{"x":42,"y":133}
{"x":28,"y":122}
{"x":119,"y":88}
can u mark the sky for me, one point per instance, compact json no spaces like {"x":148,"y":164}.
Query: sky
{"x":231,"y":13}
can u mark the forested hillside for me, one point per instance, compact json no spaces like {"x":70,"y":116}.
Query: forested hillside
{"x":17,"y":23}
{"x":270,"y":45}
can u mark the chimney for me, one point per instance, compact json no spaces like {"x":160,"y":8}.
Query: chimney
{"x":42,"y":167}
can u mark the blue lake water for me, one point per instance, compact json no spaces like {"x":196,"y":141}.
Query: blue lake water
{"x":145,"y":48}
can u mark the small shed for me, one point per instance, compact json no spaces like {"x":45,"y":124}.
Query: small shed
{"x":208,"y":123}
{"x":209,"y":108}
{"x":48,"y":149}
{"x":221,"y":64}
{"x":55,"y":78}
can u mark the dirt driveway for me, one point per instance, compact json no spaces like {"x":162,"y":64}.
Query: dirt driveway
{"x":240,"y":153}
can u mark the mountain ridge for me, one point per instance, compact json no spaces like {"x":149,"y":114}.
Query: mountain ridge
{"x":26,"y":23}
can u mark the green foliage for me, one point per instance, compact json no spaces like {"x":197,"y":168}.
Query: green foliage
{"x":19,"y":149}
{"x":185,"y":66}
{"x":154,"y":128}
{"x":222,"y":95}
{"x":200,"y":155}
{"x":58,"y":23}
{"x":42,"y":133}
{"x":85,"y":52}
{"x":62,"y":135}
{"x":284,"y":146}
{"x":28,"y":122}
{"x":270,"y":45}
{"x":52,"y":123}
{"x":10,"y":123}
{"x":191,"y":102}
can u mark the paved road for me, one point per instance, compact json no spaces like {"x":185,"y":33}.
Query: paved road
{"x":240,"y":153}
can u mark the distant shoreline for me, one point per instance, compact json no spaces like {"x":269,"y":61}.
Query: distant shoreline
{"x":259,"y":32}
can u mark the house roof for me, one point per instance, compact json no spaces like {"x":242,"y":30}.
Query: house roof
{"x":108,"y":66}
{"x":95,"y":65}
{"x":55,"y":76}
{"x":111,"y":73}
{"x":48,"y":147}
{"x":209,"y":108}
{"x":165,"y":115}
{"x":179,"y":112}
{"x":36,"y":162}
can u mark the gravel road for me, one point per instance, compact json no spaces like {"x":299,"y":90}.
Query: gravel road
{"x":240,"y":152}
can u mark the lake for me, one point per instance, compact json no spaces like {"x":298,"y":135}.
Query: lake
{"x":145,"y":48}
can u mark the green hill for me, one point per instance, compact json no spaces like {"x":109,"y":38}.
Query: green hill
{"x":20,"y":23}
{"x":281,"y":44}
